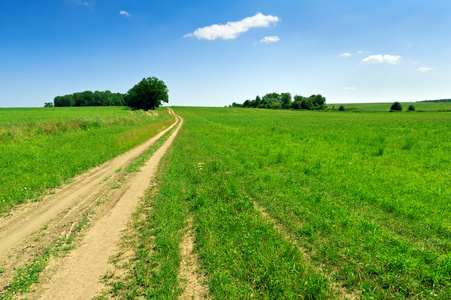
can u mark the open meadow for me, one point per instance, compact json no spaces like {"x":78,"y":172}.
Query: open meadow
{"x":295,"y":204}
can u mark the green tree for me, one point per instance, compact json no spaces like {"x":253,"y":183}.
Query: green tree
{"x":396,"y":106}
{"x":307,"y":104}
{"x":411,"y":108}
{"x":48,"y":104}
{"x":149,"y":93}
{"x":286,"y":100}
{"x":341,"y":108}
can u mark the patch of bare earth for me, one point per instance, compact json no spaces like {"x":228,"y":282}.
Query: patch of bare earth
{"x":191,"y":277}
{"x":27,"y":231}
{"x":341,"y":292}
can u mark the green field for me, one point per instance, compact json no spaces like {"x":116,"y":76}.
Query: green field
{"x":40,"y":148}
{"x":285,"y":204}
{"x":380,"y":107}
{"x":361,"y":202}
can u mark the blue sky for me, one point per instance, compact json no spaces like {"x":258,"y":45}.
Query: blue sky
{"x":213,"y":53}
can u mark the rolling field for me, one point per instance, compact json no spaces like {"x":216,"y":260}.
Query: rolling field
{"x":289,"y":205}
{"x":40,"y":148}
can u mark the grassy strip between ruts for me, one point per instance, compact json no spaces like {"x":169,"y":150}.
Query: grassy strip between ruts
{"x":33,"y":163}
{"x":29,"y":274}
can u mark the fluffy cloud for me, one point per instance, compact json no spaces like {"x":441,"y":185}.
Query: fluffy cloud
{"x":232,"y":30}
{"x":124,"y":13}
{"x":424,"y":69}
{"x":380,"y":59}
{"x":270,"y":39}
{"x":345,"y":54}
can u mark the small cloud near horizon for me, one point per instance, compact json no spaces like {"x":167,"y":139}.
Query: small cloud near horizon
{"x":346,"y":54}
{"x":270,"y":39}
{"x":232,"y":30}
{"x":380,"y":59}
{"x":424,"y":69}
{"x":124,"y":13}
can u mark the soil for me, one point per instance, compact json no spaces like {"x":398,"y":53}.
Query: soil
{"x":28,"y":230}
{"x":194,"y":287}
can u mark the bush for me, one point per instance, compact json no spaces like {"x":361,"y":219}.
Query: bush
{"x":411,"y":108}
{"x":341,"y":108}
{"x":396,"y":107}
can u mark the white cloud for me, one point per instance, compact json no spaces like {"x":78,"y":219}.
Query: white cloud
{"x":424,"y":69}
{"x":349,"y":88}
{"x":360,"y":52}
{"x":346,"y":54}
{"x":232,"y":30}
{"x":124,"y":13}
{"x":270,"y":39}
{"x":80,"y":2}
{"x":380,"y":59}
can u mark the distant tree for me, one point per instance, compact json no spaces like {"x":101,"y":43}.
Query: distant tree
{"x":411,"y":108}
{"x":307,"y":104}
{"x":274,"y":103}
{"x":247,"y":103}
{"x":341,"y":108}
{"x":258,"y":100}
{"x":48,"y":104}
{"x":297,"y":105}
{"x":396,"y":106}
{"x":149,"y":93}
{"x":318,"y":101}
{"x":268,"y":102}
{"x":286,"y":100}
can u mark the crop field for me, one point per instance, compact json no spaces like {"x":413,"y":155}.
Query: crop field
{"x":289,"y":205}
{"x":40,"y":148}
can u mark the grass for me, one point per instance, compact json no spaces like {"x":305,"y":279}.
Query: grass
{"x":366,"y":196}
{"x":38,"y":155}
{"x":384,"y":107}
{"x":361,"y":202}
{"x":34,"y":114}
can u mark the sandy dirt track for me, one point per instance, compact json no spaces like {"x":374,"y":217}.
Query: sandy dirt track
{"x":28,"y":230}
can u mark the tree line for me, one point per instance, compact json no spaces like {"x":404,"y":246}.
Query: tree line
{"x":285,"y":101}
{"x":89,"y":98}
{"x":149,"y":93}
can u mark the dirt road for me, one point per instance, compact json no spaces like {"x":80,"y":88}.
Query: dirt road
{"x":28,"y":230}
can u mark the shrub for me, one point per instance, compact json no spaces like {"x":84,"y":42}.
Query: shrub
{"x":411,"y":108}
{"x":396,"y":107}
{"x":341,"y":108}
